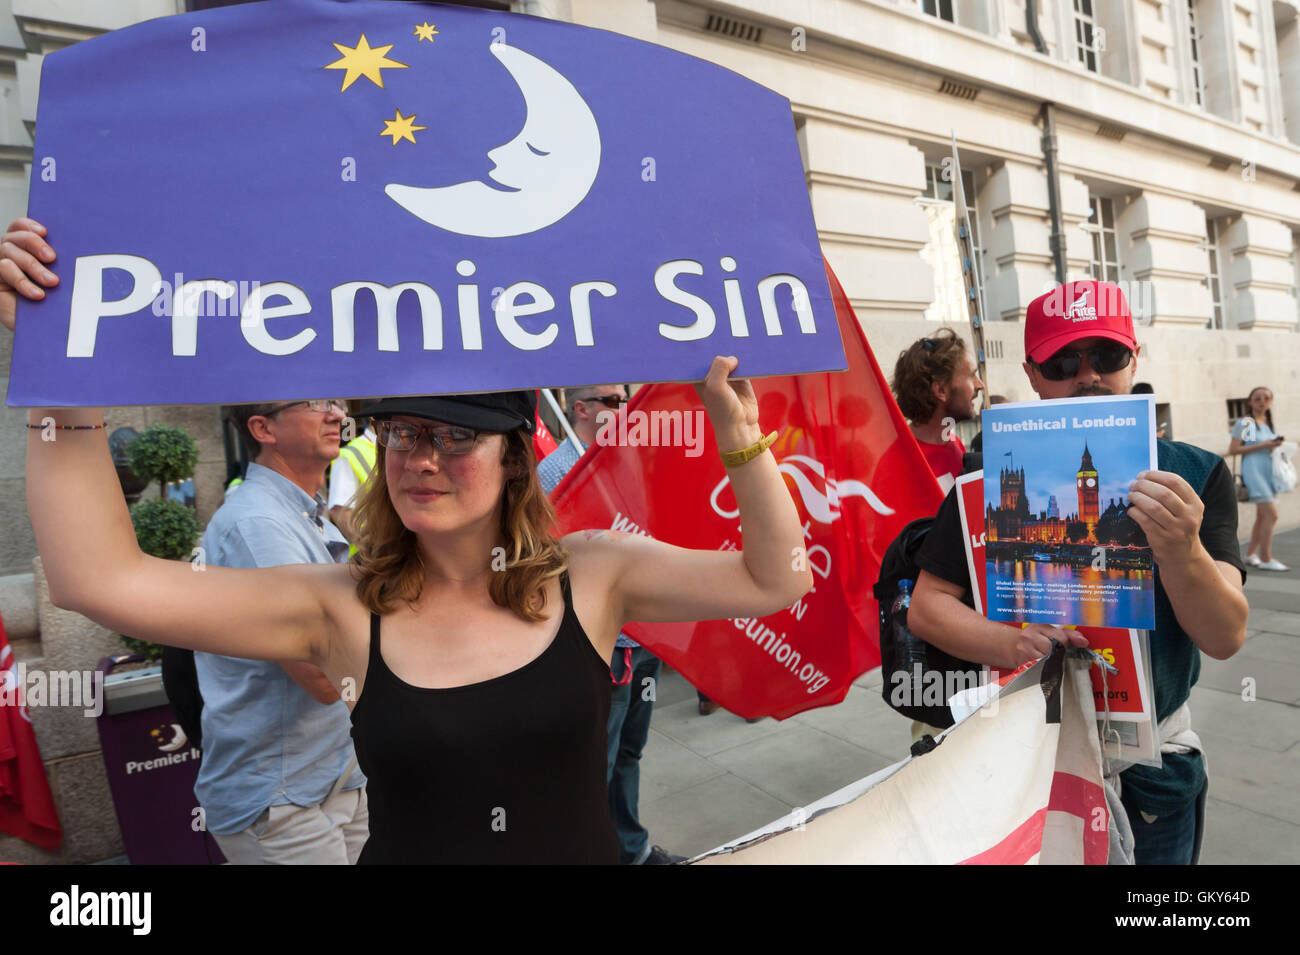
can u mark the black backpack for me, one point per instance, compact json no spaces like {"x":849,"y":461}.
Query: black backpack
{"x":181,"y":684}
{"x":901,"y":650}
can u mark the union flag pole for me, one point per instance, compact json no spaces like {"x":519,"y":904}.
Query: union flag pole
{"x":970,"y":269}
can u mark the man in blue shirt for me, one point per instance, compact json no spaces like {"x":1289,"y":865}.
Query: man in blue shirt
{"x":279,"y":782}
{"x":634,"y":670}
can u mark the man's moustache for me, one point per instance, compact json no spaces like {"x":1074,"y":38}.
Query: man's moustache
{"x":1086,"y":390}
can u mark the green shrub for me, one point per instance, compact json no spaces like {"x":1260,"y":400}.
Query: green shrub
{"x":166,"y":529}
{"x":143,"y":647}
{"x":164,"y":454}
{"x":163,"y":528}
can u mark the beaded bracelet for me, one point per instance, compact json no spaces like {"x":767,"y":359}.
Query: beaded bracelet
{"x":66,"y":427}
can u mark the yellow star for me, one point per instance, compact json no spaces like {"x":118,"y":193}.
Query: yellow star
{"x":400,"y":128}
{"x":426,"y":31}
{"x":363,"y":60}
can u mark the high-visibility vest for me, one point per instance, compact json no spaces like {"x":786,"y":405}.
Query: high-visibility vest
{"x":360,"y":453}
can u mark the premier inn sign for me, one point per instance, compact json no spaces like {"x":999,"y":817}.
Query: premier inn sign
{"x":288,"y":199}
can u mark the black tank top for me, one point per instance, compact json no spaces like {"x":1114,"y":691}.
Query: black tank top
{"x":510,"y":770}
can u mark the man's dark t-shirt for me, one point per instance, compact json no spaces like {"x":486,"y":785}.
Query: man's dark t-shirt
{"x":1175,"y":660}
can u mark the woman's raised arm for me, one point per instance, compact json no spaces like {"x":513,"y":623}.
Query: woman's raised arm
{"x":88,"y":546}
{"x":654,"y":581}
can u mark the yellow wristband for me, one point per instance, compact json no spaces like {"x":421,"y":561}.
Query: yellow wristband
{"x":734,"y":459}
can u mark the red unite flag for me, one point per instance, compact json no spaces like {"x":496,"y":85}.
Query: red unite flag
{"x":26,"y":805}
{"x":543,"y":440}
{"x":857,"y":477}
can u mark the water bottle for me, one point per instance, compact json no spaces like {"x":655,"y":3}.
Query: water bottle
{"x":904,"y":598}
{"x":913,"y":649}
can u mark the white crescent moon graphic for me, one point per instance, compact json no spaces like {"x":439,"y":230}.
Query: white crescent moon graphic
{"x":178,"y":742}
{"x":547,"y":169}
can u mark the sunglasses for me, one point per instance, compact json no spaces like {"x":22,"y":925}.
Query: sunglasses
{"x":315,"y":404}
{"x":397,"y":436}
{"x":1103,"y":359}
{"x":609,"y":401}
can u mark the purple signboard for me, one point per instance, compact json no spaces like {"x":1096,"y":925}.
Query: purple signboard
{"x":304,"y":198}
{"x":151,"y":770}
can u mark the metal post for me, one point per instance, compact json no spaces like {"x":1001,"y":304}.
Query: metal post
{"x":970,"y":270}
{"x":564,"y":421}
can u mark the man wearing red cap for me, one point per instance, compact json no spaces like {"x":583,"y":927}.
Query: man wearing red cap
{"x":1079,"y":341}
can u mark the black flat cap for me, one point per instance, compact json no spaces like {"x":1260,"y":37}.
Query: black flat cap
{"x":493,"y":411}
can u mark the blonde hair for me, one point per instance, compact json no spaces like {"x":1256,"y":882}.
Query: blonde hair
{"x":388,"y":566}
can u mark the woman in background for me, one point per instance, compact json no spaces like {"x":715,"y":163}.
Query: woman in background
{"x":1253,"y":438}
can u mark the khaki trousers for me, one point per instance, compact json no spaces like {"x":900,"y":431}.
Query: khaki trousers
{"x":329,"y":834}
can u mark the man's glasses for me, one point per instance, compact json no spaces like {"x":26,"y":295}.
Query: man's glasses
{"x":315,"y":404}
{"x":1103,"y":359}
{"x":397,"y":436}
{"x":609,"y":401}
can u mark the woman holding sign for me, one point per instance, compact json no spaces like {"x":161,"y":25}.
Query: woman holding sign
{"x":469,"y":642}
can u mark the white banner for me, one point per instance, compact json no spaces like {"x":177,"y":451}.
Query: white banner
{"x":1017,"y":782}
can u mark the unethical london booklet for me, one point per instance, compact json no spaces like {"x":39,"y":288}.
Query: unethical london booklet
{"x":1123,"y":699}
{"x":1059,"y":544}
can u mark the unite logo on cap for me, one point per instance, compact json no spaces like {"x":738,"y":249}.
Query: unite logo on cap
{"x":1080,"y":310}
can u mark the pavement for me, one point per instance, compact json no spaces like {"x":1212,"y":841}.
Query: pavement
{"x":707,"y":779}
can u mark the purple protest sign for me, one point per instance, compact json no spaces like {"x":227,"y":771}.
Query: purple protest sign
{"x":321,"y":197}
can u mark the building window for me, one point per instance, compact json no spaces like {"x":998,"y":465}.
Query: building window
{"x":940,"y":188}
{"x":1198,"y":79}
{"x":939,"y":185}
{"x":1287,"y":39}
{"x":941,"y":252}
{"x":1238,"y":408}
{"x":939,"y":8}
{"x":1104,"y":263}
{"x":1086,"y":35}
{"x":1213,"y":276}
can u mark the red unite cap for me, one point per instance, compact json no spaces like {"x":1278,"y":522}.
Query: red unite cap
{"x":1075,"y":310}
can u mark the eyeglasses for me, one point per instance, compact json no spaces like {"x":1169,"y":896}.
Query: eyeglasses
{"x":315,"y":404}
{"x":609,"y":401}
{"x":397,"y":436}
{"x":1103,"y":359}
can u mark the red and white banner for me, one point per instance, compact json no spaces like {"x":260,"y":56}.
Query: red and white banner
{"x":26,"y":804}
{"x":1017,"y":782}
{"x":543,"y":441}
{"x":857,"y":476}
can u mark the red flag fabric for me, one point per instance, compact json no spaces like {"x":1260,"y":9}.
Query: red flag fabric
{"x":26,"y":804}
{"x":857,"y":477}
{"x":543,"y":441}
